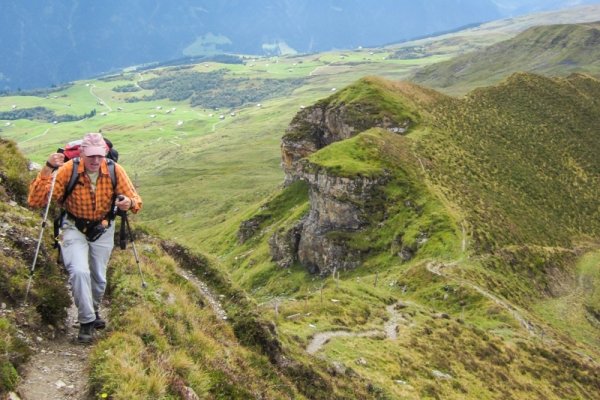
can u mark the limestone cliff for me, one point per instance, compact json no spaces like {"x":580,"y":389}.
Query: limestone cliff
{"x":342,"y":116}
{"x":337,"y":205}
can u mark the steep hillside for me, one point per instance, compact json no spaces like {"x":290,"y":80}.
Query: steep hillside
{"x":473,"y":227}
{"x":190,"y":334}
{"x":556,"y":50}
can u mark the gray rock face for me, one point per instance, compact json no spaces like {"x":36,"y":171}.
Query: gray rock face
{"x":283,"y":246}
{"x":248,"y":228}
{"x":323,"y":124}
{"x":336,"y":208}
{"x":311,"y":130}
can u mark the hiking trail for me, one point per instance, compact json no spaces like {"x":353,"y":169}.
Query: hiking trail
{"x":58,"y":367}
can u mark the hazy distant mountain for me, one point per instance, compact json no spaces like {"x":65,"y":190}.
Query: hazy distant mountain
{"x":51,"y":41}
{"x":551,"y":50}
{"x":511,"y":8}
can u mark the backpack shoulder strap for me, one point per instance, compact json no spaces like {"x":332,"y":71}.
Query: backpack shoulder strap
{"x":72,"y":181}
{"x":112,"y":173}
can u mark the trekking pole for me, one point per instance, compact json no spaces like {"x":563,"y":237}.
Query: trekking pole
{"x":37,"y":250}
{"x":137,"y":260}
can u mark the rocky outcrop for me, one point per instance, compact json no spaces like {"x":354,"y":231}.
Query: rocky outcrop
{"x":328,"y":122}
{"x":283,"y":246}
{"x":249,"y":227}
{"x":338,"y":207}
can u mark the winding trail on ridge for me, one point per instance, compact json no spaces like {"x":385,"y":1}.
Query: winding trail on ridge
{"x":389,"y":329}
{"x":435,"y":268}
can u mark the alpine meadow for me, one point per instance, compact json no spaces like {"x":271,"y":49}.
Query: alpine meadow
{"x":415,"y":220}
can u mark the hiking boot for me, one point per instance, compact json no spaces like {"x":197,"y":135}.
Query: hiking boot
{"x":99,"y":323}
{"x":86,"y":333}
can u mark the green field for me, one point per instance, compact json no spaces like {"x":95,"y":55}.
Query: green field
{"x":197,"y":178}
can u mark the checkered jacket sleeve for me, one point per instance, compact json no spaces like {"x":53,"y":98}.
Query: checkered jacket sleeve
{"x":83,"y":202}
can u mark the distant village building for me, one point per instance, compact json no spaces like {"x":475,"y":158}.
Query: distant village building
{"x":232,"y":114}
{"x":159,"y":107}
{"x":119,"y":109}
{"x":168,"y":111}
{"x":210,"y":115}
{"x":259,"y":105}
{"x":7,"y":124}
{"x":179,"y":122}
{"x":152,"y":116}
{"x":173,"y":109}
{"x":68,"y":104}
{"x":56,"y":97}
{"x":87,"y":84}
{"x":103,"y":114}
{"x":14,"y":106}
{"x":221,"y":116}
{"x":333,"y":89}
{"x":302,"y":107}
{"x":101,"y":103}
{"x":291,"y":70}
{"x":55,"y":122}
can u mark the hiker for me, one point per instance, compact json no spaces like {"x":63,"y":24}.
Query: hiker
{"x":88,"y":221}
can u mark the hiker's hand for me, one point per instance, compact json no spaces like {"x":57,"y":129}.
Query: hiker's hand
{"x":125,"y":204}
{"x":56,"y":160}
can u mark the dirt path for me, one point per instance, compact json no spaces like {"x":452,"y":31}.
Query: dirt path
{"x":137,"y":82}
{"x":435,"y":268}
{"x":213,"y":301}
{"x":102,"y":101}
{"x":323,"y":337}
{"x":58,"y":368}
{"x":389,"y":329}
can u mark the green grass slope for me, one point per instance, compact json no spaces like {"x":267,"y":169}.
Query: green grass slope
{"x":555,"y":50}
{"x":163,"y":342}
{"x":495,"y":196}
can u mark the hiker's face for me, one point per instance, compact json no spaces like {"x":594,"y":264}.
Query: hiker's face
{"x":92,"y":163}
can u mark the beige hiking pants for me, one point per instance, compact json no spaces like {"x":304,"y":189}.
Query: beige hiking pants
{"x":86,"y":263}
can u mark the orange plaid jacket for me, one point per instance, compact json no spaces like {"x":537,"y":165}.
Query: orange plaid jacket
{"x":83,"y":202}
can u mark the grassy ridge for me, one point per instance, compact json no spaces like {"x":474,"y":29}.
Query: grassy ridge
{"x":522,"y":158}
{"x":166,"y":339}
{"x":556,"y":50}
{"x":514,"y":165}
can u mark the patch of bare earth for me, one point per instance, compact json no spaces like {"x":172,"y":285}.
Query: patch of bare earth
{"x":58,"y":367}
